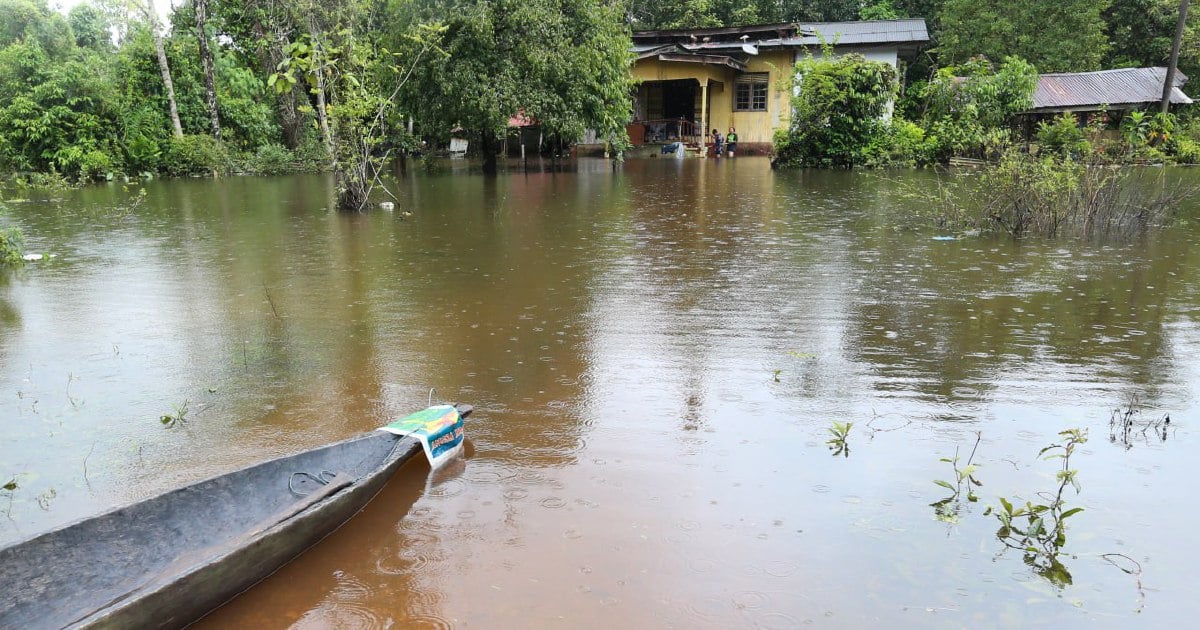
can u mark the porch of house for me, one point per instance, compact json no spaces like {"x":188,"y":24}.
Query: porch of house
{"x":674,"y":110}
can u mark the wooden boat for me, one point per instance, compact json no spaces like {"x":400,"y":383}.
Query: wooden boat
{"x":167,"y":561}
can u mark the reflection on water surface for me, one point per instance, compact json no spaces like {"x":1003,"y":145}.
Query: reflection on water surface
{"x":655,"y":354}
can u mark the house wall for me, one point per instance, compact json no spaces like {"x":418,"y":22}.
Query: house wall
{"x":889,"y":56}
{"x":759,"y":127}
{"x":754,"y":128}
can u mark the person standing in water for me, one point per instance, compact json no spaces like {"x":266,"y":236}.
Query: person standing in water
{"x":731,"y":141}
{"x":717,"y":142}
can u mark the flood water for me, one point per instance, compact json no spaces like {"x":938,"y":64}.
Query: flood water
{"x":655,"y":355}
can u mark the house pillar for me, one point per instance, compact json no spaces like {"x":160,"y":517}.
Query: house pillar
{"x":703,"y":131}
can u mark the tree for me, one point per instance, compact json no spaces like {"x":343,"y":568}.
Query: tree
{"x":837,"y":111}
{"x":653,"y":14}
{"x":1169,"y":81}
{"x":206,"y":61}
{"x":146,"y":10}
{"x":32,"y":22}
{"x":563,"y":63}
{"x":355,"y":81}
{"x":967,"y":108}
{"x":90,"y":26}
{"x":1053,"y":35}
{"x":260,"y":31}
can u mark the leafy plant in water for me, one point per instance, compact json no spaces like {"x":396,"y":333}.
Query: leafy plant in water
{"x":178,"y":418}
{"x":947,"y":509}
{"x":12,"y":246}
{"x":1049,"y":196}
{"x":1136,"y":129}
{"x":840,"y":431}
{"x":1124,"y":425}
{"x":1039,"y":530}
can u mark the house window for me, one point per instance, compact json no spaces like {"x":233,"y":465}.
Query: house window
{"x":750,"y":92}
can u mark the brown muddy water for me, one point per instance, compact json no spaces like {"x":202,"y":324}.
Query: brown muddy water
{"x":656,"y":355}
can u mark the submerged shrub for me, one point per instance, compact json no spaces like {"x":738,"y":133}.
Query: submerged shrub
{"x":272,"y":159}
{"x":12,"y":245}
{"x":1187,"y":151}
{"x":903,"y":143}
{"x":1062,"y":136}
{"x":196,"y":155}
{"x":1025,"y":195}
{"x":1048,"y":197}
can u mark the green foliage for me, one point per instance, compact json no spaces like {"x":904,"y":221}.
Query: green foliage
{"x":880,"y":10}
{"x":54,"y":116}
{"x":143,"y":133}
{"x":244,"y":102}
{"x":90,"y":26}
{"x":1049,"y":196}
{"x":904,"y":143}
{"x":34,"y":23}
{"x":12,"y":246}
{"x":1039,"y":530}
{"x":498,"y":63}
{"x":1140,"y":33}
{"x":196,"y":155}
{"x":655,"y":14}
{"x":837,"y":112}
{"x":1053,"y":35}
{"x":1187,"y":151}
{"x":355,"y":81}
{"x":1062,"y":136}
{"x":839,"y":431}
{"x":968,"y":110}
{"x":272,"y":159}
{"x":179,"y":418}
{"x":948,"y":509}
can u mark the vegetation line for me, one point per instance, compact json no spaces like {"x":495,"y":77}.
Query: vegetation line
{"x":270,"y":301}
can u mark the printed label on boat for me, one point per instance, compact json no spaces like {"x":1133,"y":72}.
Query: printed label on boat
{"x":439,"y":428}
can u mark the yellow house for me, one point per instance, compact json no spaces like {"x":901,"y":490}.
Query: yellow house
{"x":691,"y":81}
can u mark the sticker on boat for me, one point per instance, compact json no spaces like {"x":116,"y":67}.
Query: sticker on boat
{"x":438,"y":428}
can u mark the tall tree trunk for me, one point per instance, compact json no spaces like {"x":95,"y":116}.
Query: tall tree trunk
{"x":322,"y":113}
{"x":270,"y":54}
{"x":206,"y":61}
{"x":152,"y":18}
{"x":1169,"y":80}
{"x":487,"y":145}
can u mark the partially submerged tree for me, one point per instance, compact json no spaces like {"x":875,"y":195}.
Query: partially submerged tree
{"x":354,"y":81}
{"x":563,"y":63}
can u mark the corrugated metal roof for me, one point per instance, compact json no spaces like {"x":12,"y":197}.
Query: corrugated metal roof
{"x":854,"y":33}
{"x":907,"y":31}
{"x":1074,"y":90}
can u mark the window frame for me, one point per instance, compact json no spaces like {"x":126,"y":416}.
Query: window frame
{"x":756,"y":86}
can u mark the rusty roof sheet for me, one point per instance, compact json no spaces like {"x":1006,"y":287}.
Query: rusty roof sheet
{"x":871,"y":32}
{"x":1084,"y":90}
